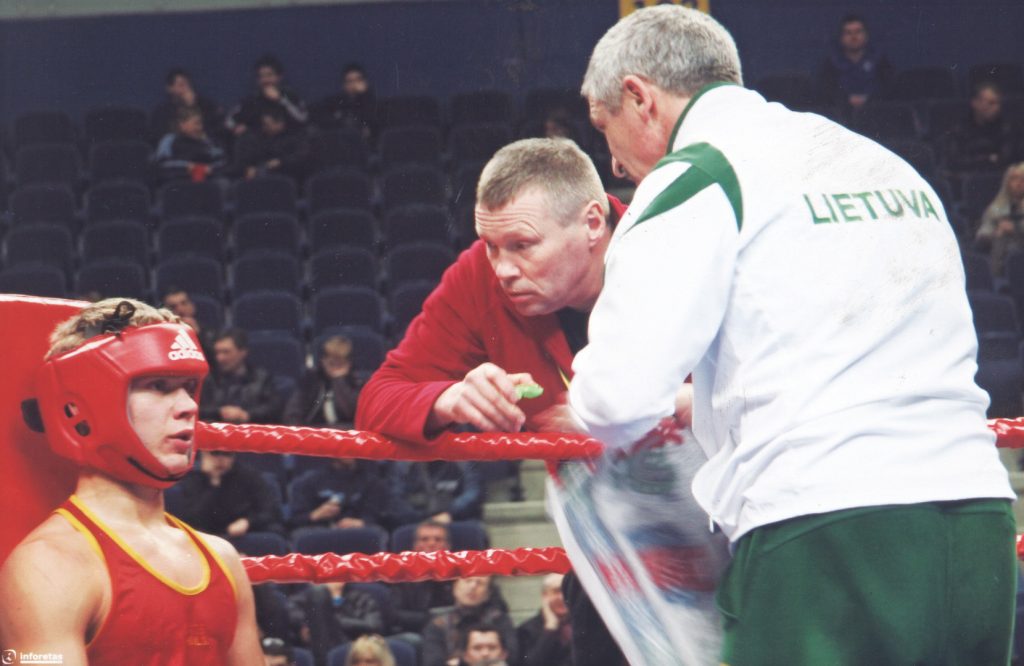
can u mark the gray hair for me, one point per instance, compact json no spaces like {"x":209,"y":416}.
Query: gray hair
{"x":676,"y":48}
{"x":555,"y":166}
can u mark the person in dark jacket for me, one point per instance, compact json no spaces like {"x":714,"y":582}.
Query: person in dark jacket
{"x":355,"y":107}
{"x":236,"y":392}
{"x":271,"y":93}
{"x":333,"y":614}
{"x":413,"y":602}
{"x":188,"y":152}
{"x":438,"y":490}
{"x":228,"y":498}
{"x":477,"y":601}
{"x":855,"y":70}
{"x":181,"y":94}
{"x":546,"y":638}
{"x":985,"y":139}
{"x":273,"y":147}
{"x":348,"y":493}
{"x":327,"y":394}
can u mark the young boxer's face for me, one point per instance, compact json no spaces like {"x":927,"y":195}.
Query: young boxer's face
{"x":162,"y":410}
{"x":540,"y":261}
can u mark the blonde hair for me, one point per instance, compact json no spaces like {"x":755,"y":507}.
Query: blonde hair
{"x":372,"y":646}
{"x":557,"y":167}
{"x":88,"y":323}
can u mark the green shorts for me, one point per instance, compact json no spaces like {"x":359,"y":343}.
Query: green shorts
{"x":917,"y":584}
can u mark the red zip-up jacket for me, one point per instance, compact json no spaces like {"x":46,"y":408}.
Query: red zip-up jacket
{"x":467,"y":320}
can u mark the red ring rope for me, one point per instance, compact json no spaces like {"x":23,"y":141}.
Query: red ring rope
{"x":405,"y":567}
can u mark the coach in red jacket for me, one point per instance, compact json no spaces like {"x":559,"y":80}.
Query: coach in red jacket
{"x":512,"y":309}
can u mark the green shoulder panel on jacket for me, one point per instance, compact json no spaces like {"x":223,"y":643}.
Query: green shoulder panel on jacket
{"x":708,"y":166}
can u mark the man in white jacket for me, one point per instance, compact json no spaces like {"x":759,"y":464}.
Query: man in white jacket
{"x":809,"y":280}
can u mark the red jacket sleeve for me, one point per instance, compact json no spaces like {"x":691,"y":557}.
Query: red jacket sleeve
{"x":441,"y":345}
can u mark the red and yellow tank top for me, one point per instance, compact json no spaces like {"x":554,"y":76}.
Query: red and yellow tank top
{"x":154,"y":621}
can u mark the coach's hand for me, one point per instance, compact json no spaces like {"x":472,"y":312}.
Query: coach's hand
{"x":485,"y":398}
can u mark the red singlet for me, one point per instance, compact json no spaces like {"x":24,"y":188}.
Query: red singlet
{"x":153,"y":621}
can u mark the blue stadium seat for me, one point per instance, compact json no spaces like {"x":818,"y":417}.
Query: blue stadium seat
{"x":269,"y":311}
{"x":184,"y":198}
{"x":342,"y":265}
{"x":481,"y":106}
{"x":117,"y":200}
{"x":257,"y":544}
{"x":978,"y":270}
{"x":418,"y":261}
{"x":413,"y":184}
{"x":318,"y":540}
{"x":338,"y":188}
{"x":303,"y":657}
{"x":347,"y":306}
{"x":113,"y":277}
{"x":41,"y":243}
{"x":478,"y":141}
{"x":115,"y":123}
{"x":338,"y":148}
{"x":209,"y":310}
{"x":33,"y":280}
{"x":886,"y":120}
{"x":993,"y":314}
{"x":267,"y":231}
{"x":52,"y":203}
{"x":917,"y":83}
{"x":118,"y":239}
{"x":408,"y":110}
{"x":418,"y":222}
{"x":406,"y":302}
{"x":43,"y":127}
{"x":1000,"y":373}
{"x":343,"y":226}
{"x":409,"y":145}
{"x":979,"y":189}
{"x":265,"y":194}
{"x":260,"y":270}
{"x":114,"y":160}
{"x":48,"y":163}
{"x":196,"y":275}
{"x":199,"y":236}
{"x":795,"y":90}
{"x":278,"y":352}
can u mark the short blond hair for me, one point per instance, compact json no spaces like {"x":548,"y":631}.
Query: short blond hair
{"x":557,"y":167}
{"x":88,"y":323}
{"x":372,"y":646}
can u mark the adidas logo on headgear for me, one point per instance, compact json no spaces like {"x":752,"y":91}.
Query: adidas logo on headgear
{"x":183,"y":348}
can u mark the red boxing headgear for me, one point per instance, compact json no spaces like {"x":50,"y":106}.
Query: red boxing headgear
{"x":83,"y":398}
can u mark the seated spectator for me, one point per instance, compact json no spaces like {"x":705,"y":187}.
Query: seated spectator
{"x":273,"y":612}
{"x":181,"y":95}
{"x":370,"y":651}
{"x":1001,"y":231}
{"x":347,"y":493}
{"x":236,"y":392}
{"x":327,"y":394}
{"x":482,"y":645}
{"x":274,"y":147}
{"x":277,"y":653}
{"x":985,"y":138}
{"x":477,"y":601}
{"x":438,"y":490}
{"x":271,"y":94}
{"x":332,"y":615}
{"x":228,"y":498}
{"x":180,"y":303}
{"x":546,"y":638}
{"x":855,"y":71}
{"x":413,"y":602}
{"x":354,"y":107}
{"x":188,"y":152}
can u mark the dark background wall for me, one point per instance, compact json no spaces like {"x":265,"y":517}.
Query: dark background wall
{"x":447,"y":46}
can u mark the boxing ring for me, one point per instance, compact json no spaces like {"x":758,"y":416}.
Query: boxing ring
{"x":36,"y":480}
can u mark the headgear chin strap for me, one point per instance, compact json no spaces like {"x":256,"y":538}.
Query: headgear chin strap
{"x":83,"y":398}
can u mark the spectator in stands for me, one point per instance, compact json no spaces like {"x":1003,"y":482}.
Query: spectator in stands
{"x":274,"y":147}
{"x":181,"y":95}
{"x":546,"y":638}
{"x":413,"y":602}
{"x":346,"y":493}
{"x":370,"y":651}
{"x":1001,"y":231}
{"x":237,"y":392}
{"x":327,"y":394}
{"x":228,"y":498}
{"x":188,"y":152}
{"x":277,"y":653}
{"x":477,"y":600}
{"x":354,"y":107}
{"x":482,"y":645}
{"x":439,"y":490}
{"x":855,"y":70}
{"x":273,"y":612}
{"x":985,"y":139}
{"x":271,"y":94}
{"x":180,"y":303}
{"x":333,"y":614}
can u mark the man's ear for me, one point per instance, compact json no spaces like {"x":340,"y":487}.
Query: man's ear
{"x":638,"y":96}
{"x":596,"y":221}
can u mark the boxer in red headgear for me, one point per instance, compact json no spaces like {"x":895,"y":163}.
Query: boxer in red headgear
{"x":110,"y":578}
